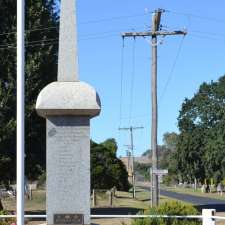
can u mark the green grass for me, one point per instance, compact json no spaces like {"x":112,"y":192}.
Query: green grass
{"x":36,"y":204}
{"x":123,"y":199}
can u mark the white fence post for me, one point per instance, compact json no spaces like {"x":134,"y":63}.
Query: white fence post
{"x":207,"y":217}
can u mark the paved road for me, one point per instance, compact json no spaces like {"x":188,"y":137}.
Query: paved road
{"x":200,"y":202}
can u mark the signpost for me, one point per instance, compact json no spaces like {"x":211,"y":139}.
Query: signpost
{"x":158,"y":173}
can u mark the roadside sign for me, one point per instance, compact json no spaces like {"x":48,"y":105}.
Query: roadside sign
{"x":159,"y":172}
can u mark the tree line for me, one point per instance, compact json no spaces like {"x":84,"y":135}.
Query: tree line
{"x":40,"y":69}
{"x":198,"y":150}
{"x":42,"y":25}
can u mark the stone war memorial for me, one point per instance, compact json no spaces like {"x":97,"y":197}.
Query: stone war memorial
{"x":68,"y":105}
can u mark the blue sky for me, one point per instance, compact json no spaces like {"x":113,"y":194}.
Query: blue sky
{"x":186,"y":63}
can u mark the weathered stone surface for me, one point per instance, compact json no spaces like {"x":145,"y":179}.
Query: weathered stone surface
{"x":68,"y":58}
{"x":68,"y":98}
{"x":68,"y":166}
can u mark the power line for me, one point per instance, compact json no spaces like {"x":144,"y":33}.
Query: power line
{"x":46,"y":44}
{"x":205,"y":33}
{"x":98,"y":37}
{"x":208,"y":33}
{"x":136,"y":116}
{"x":30,"y":43}
{"x":197,"y":16}
{"x":41,"y":28}
{"x":53,"y":41}
{"x":44,"y":40}
{"x":114,"y":18}
{"x":40,"y":43}
{"x":201,"y":36}
{"x":110,"y":31}
{"x":32,"y":30}
{"x":83,"y":37}
{"x":132,"y":80}
{"x":195,"y":33}
{"x":171,"y":71}
{"x":121,"y":82}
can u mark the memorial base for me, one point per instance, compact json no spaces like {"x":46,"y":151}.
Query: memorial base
{"x":68,"y":170}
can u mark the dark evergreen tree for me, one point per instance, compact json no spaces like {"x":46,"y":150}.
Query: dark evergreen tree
{"x":41,"y":69}
{"x":107,"y":170}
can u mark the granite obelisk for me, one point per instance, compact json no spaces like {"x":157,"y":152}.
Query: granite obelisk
{"x":68,"y":105}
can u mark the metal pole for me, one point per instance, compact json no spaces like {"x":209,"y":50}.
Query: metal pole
{"x":20,"y":111}
{"x":132,"y":152}
{"x":207,"y":217}
{"x":155,"y":197}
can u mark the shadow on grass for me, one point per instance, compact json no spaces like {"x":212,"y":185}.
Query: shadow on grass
{"x":36,"y":212}
{"x":217,"y":207}
{"x":115,"y":211}
{"x":124,"y":197}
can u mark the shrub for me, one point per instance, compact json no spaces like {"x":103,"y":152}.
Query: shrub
{"x":169,"y":208}
{"x":7,"y":221}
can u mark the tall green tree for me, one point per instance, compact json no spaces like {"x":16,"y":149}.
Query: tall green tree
{"x":111,"y":145}
{"x":201,"y":143}
{"x":41,"y":69}
{"x":170,"y":140}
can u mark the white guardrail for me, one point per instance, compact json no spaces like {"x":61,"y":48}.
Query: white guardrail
{"x":207,"y":216}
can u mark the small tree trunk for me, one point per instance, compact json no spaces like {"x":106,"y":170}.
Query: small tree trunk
{"x":110,"y":198}
{"x":1,"y":206}
{"x":94,"y":200}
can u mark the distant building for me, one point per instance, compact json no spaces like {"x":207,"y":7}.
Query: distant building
{"x":143,"y":159}
{"x":128,"y":162}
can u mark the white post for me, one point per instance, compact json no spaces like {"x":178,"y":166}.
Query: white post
{"x":20,"y":112}
{"x":195,"y":187}
{"x":207,"y":217}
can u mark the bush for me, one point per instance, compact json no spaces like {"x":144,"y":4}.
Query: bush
{"x":169,"y":208}
{"x":107,"y":171}
{"x":7,"y":221}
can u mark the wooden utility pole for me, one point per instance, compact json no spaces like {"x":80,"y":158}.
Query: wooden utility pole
{"x":132,"y":155}
{"x":153,"y":34}
{"x":128,"y":157}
